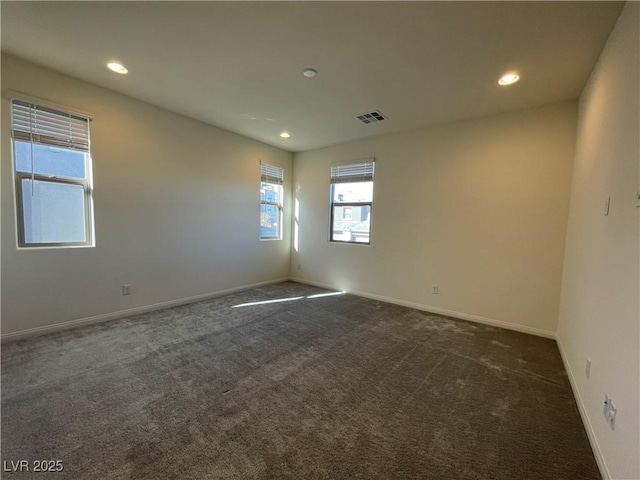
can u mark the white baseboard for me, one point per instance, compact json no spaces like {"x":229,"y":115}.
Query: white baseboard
{"x":440,"y":311}
{"x":56,"y":327}
{"x":602,"y":465}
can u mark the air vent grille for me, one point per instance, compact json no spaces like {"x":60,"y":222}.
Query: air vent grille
{"x":371,"y":117}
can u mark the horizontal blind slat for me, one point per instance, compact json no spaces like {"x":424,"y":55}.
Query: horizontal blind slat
{"x":271,"y":174}
{"x":53,"y":130}
{"x":23,"y":106}
{"x":50,"y":122}
{"x":353,"y":172}
{"x":35,"y":112}
{"x":51,"y":141}
{"x":46,"y":126}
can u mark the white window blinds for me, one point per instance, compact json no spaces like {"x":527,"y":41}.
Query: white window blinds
{"x":271,"y":174}
{"x":361,"y":171}
{"x":36,"y":124}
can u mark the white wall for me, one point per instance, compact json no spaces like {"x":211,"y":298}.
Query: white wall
{"x":176,"y":209}
{"x":477,"y":207}
{"x":599,"y":312}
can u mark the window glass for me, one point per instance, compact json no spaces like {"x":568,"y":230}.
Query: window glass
{"x":270,"y":192}
{"x":269,"y":221}
{"x":53,"y":212}
{"x":353,"y":192}
{"x":356,"y":229}
{"x":49,"y":160}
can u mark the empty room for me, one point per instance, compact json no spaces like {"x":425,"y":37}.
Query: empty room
{"x":320,"y":240}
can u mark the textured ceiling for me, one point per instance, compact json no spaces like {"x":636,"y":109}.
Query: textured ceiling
{"x":238,"y":65}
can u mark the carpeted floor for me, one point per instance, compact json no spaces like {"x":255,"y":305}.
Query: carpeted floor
{"x":320,"y":387}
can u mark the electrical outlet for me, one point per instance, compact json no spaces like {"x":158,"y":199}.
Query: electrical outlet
{"x":126,"y":289}
{"x":434,"y":289}
{"x":587,"y":369}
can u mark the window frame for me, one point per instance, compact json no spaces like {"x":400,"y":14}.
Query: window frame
{"x":86,"y":183}
{"x":364,"y":174}
{"x":267,"y":176}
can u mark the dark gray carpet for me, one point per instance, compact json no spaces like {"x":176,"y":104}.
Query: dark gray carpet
{"x":331,"y":387}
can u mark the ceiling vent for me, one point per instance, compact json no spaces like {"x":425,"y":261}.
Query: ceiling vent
{"x":371,"y":117}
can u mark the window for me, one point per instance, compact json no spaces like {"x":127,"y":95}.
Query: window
{"x":52,"y":166}
{"x":351,"y":200}
{"x":271,"y":182}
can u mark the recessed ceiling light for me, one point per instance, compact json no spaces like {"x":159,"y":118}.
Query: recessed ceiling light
{"x":117,"y":67}
{"x":309,"y":72}
{"x":509,"y":78}
{"x":285,"y":135}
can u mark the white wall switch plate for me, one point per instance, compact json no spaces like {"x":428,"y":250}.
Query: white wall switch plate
{"x":612,"y":414}
{"x":126,"y":289}
{"x":607,"y":204}
{"x":434,"y":289}
{"x":609,"y":410}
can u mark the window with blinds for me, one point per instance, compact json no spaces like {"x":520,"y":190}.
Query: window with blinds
{"x":271,"y":201}
{"x":52,"y":170}
{"x":351,"y":194}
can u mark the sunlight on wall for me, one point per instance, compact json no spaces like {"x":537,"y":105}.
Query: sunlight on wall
{"x":296,"y":212}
